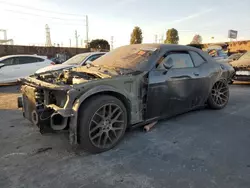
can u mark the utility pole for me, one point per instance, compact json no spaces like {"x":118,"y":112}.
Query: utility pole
{"x":76,"y":36}
{"x":112,"y":43}
{"x":156,"y":39}
{"x":81,"y":42}
{"x":87,"y":30}
{"x":161,"y":40}
{"x":48,"y":39}
{"x":69,"y":42}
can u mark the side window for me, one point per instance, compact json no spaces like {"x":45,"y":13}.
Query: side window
{"x":23,"y":60}
{"x":94,"y":57}
{"x":26,"y":60}
{"x":179,"y":60}
{"x":8,"y":62}
{"x":198,"y":60}
{"x":37,"y":59}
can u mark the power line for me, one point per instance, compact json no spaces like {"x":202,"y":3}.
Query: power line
{"x":156,"y":38}
{"x":53,"y":22}
{"x":20,"y":12}
{"x":42,"y":10}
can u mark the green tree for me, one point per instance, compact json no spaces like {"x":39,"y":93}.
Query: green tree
{"x":136,"y":36}
{"x":99,"y":44}
{"x":172,"y":37}
{"x":196,"y":40}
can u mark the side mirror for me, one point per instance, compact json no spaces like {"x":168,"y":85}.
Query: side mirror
{"x":88,"y":62}
{"x":1,"y":65}
{"x":168,"y":64}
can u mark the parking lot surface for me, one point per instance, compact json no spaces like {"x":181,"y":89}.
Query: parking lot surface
{"x":200,"y":149}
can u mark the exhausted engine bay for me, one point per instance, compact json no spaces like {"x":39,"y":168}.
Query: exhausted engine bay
{"x":68,"y":77}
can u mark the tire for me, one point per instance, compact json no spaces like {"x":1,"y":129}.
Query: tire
{"x":93,"y":124}
{"x":219,"y":95}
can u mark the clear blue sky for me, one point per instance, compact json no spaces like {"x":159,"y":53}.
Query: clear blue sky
{"x":26,"y":24}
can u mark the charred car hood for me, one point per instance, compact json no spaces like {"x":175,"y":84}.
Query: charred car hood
{"x":101,"y":72}
{"x":74,"y":76}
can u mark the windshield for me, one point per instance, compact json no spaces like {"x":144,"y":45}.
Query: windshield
{"x":76,"y":60}
{"x":135,"y":57}
{"x":245,"y":56}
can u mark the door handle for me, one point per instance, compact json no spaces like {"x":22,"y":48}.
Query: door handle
{"x":180,"y":77}
{"x":196,"y":73}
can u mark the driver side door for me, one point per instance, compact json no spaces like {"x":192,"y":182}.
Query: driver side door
{"x":173,"y":91}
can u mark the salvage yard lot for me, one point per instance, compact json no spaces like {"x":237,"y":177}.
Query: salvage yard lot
{"x":200,"y":149}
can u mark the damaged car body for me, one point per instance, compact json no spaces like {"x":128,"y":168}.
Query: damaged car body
{"x":242,"y":68}
{"x":131,"y":86}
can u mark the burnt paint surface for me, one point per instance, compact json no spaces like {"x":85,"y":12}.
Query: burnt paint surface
{"x":176,"y":91}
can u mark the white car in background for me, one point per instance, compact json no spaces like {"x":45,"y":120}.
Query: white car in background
{"x":14,"y":67}
{"x":76,"y":61}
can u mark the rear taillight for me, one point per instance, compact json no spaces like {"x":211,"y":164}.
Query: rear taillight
{"x":52,"y":63}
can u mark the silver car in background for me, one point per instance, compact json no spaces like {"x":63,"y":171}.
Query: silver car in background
{"x":76,"y":61}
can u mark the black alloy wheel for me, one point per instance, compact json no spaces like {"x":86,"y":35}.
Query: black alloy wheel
{"x":106,"y":125}
{"x":102,"y":123}
{"x":219,"y":95}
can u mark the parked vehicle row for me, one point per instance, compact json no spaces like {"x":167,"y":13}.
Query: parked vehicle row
{"x":15,"y":67}
{"x":217,"y":53}
{"x":76,"y":61}
{"x":239,"y":61}
{"x":242,"y":68}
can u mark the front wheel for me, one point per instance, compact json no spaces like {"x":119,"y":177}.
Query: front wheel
{"x":103,"y":122}
{"x":219,"y":95}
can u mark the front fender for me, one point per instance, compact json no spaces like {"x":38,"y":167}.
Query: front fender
{"x":74,"y":119}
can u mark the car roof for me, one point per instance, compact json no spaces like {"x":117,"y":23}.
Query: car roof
{"x":91,"y":53}
{"x":21,"y":55}
{"x":165,"y":47}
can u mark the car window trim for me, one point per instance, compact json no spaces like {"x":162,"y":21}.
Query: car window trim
{"x":31,"y":57}
{"x":181,"y":51}
{"x":84,"y":62}
{"x":39,"y":59}
{"x":205,"y":61}
{"x":12,"y":61}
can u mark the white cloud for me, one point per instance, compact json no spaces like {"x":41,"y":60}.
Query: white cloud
{"x":192,"y":16}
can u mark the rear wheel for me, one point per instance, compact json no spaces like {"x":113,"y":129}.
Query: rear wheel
{"x":103,"y":122}
{"x":219,"y":95}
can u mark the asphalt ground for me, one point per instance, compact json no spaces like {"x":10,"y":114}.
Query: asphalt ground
{"x":200,"y":149}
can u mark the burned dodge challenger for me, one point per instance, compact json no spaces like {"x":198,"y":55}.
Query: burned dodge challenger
{"x":130,"y":86}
